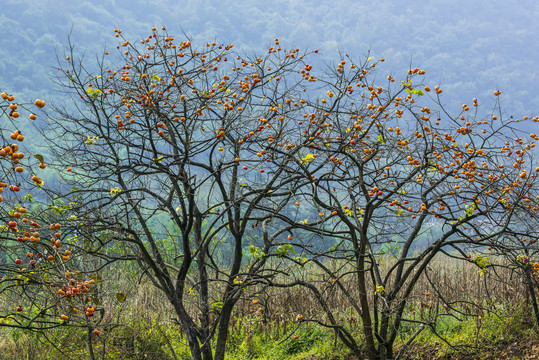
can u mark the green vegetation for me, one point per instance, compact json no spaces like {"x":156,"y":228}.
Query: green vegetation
{"x":143,"y":327}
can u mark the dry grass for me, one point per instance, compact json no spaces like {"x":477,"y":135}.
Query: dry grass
{"x":458,"y":282}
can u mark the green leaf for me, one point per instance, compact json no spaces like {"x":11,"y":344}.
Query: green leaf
{"x":415,"y":92}
{"x":255,"y":252}
{"x":284,"y":250}
{"x":94,"y":92}
{"x":121,"y":297}
{"x":39,"y":157}
{"x":216,"y":305}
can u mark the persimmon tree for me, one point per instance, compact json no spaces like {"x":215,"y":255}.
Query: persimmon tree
{"x":399,"y":180}
{"x":40,"y":285}
{"x":174,"y":158}
{"x":216,"y":171}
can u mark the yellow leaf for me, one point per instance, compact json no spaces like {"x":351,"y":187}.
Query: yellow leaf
{"x":307,"y":159}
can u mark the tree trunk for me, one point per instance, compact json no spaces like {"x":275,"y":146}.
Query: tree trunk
{"x":529,"y":282}
{"x":365,"y":312}
{"x":204,"y":332}
{"x":206,"y":351}
{"x":90,"y":345}
{"x":189,"y":329}
{"x":196,"y":353}
{"x":367,"y":325}
{"x":360,"y":250}
{"x":389,"y":350}
{"x":222,"y":336}
{"x":382,"y":339}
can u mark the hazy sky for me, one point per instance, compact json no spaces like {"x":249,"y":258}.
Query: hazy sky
{"x":468,"y":47}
